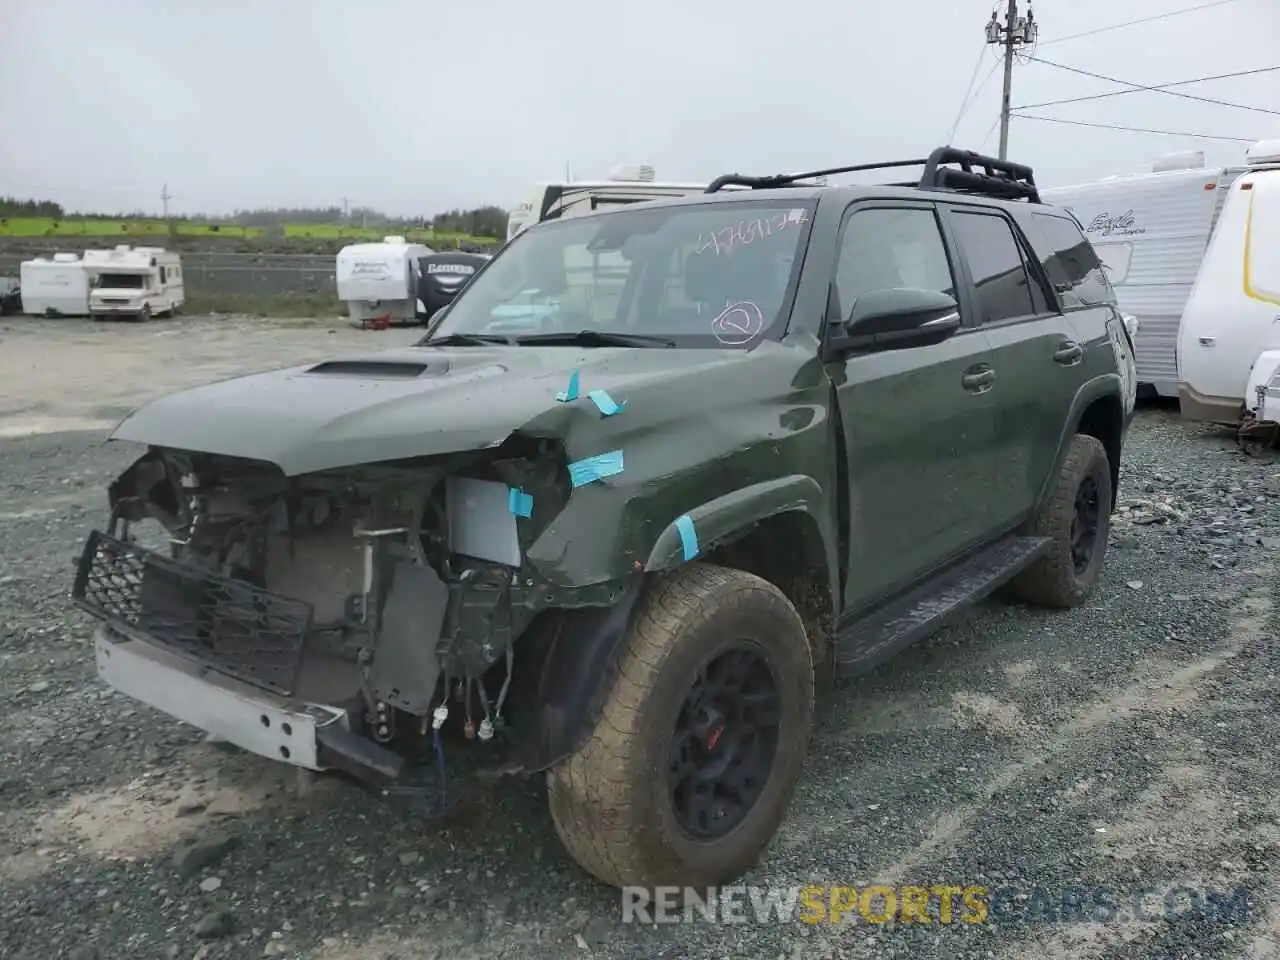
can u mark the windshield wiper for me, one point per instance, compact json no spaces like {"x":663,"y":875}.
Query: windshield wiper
{"x":595,"y":338}
{"x":465,"y":340}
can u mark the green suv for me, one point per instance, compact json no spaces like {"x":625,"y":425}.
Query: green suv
{"x":652,"y":478}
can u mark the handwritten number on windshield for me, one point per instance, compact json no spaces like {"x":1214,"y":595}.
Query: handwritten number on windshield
{"x":745,"y":232}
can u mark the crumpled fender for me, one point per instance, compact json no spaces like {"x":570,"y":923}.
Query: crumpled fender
{"x":711,"y":443}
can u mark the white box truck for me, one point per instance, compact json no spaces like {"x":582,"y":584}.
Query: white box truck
{"x":1151,"y":231}
{"x":54,"y":287}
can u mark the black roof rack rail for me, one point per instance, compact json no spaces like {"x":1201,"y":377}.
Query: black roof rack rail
{"x":973,"y":173}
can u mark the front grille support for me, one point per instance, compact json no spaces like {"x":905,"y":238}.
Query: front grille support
{"x":235,"y":627}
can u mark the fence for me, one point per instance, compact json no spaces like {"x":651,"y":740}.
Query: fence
{"x":235,"y":274}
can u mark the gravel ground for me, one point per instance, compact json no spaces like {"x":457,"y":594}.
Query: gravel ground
{"x":1127,"y":744}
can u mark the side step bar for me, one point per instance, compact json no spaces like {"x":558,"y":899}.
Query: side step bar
{"x":883,"y":632}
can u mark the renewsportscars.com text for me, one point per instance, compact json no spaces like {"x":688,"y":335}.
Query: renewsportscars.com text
{"x":940,"y":903}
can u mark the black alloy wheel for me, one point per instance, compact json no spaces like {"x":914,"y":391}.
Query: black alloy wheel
{"x":1084,"y":524}
{"x":725,"y":742}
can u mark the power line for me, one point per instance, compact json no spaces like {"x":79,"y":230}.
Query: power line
{"x":1156,"y":89}
{"x":974,"y":98}
{"x":1116,"y":126}
{"x":1131,"y":23}
{"x":990,"y":130}
{"x":964,"y":101}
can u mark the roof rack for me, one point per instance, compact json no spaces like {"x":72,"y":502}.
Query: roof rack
{"x":972,"y":173}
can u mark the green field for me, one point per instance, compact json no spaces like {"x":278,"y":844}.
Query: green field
{"x":34,"y":227}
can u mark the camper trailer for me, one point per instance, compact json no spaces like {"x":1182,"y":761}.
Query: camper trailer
{"x":381,"y":280}
{"x":625,"y":184}
{"x":134,"y":283}
{"x":57,"y":287}
{"x":1150,"y":231}
{"x":1229,"y":348}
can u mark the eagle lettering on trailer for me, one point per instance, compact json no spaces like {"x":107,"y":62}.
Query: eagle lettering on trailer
{"x":1106,"y":224}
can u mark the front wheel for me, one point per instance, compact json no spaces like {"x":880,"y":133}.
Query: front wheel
{"x":1077,"y":518}
{"x":693,"y":762}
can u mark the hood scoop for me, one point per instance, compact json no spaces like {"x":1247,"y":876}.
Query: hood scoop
{"x":377,"y":369}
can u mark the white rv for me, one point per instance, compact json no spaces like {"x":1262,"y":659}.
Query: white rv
{"x":134,"y":282}
{"x":625,"y":184}
{"x":57,"y":287}
{"x":381,"y":279}
{"x":1229,"y":348}
{"x":1150,"y":231}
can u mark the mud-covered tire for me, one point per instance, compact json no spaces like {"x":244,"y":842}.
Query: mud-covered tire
{"x":611,"y":801}
{"x":1055,"y":580}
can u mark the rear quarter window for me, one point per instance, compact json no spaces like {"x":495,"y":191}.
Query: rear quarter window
{"x":1071,"y":262}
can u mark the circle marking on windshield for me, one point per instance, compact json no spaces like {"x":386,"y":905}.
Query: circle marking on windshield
{"x":738,"y":324}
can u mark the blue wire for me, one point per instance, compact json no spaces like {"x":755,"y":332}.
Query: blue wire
{"x":435,"y":737}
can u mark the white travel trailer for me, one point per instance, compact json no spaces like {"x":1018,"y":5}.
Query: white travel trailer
{"x":1229,"y":349}
{"x":1151,"y":231}
{"x":381,"y":279}
{"x":134,"y":282}
{"x":625,"y":184}
{"x":57,"y":287}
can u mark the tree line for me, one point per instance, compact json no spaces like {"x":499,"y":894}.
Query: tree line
{"x":486,"y":221}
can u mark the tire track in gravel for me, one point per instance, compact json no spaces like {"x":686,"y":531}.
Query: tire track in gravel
{"x":1099,"y":729}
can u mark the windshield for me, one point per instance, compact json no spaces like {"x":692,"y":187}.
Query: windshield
{"x":710,"y":274}
{"x":121,"y":281}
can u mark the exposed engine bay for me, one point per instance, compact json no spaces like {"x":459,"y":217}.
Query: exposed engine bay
{"x":393,"y":591}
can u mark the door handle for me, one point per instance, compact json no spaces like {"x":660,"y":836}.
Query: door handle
{"x":1069,"y":352}
{"x":1210,"y":341}
{"x":979,"y":380}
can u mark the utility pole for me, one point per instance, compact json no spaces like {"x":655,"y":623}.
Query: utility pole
{"x":1016,"y":31}
{"x":165,"y":197}
{"x":346,"y":210}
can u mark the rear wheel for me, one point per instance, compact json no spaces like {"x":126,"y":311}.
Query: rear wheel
{"x":1077,"y":517}
{"x":693,"y":762}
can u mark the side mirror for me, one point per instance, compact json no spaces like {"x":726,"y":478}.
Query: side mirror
{"x":896,"y":319}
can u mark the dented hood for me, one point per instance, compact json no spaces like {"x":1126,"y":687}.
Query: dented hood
{"x":403,"y":403}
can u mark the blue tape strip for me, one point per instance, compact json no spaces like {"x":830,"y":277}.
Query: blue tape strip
{"x":688,"y":536}
{"x":595,"y":468}
{"x":605,"y":403}
{"x":520,"y":503}
{"x":571,"y":393}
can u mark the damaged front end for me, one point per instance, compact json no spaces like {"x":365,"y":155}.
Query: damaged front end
{"x":336,"y":620}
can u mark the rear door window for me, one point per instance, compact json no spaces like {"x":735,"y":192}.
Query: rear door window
{"x":1071,"y":262}
{"x":995,"y":261}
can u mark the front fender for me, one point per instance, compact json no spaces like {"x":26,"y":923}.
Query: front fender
{"x":720,"y":520}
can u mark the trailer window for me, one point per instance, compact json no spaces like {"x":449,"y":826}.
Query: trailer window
{"x":162,"y":275}
{"x":1072,"y":263}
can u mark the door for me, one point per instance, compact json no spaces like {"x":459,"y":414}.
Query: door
{"x":1077,"y":274}
{"x":1038,"y":357}
{"x":918,"y":423}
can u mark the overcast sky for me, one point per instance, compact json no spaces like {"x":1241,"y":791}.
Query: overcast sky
{"x":416,"y":106}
